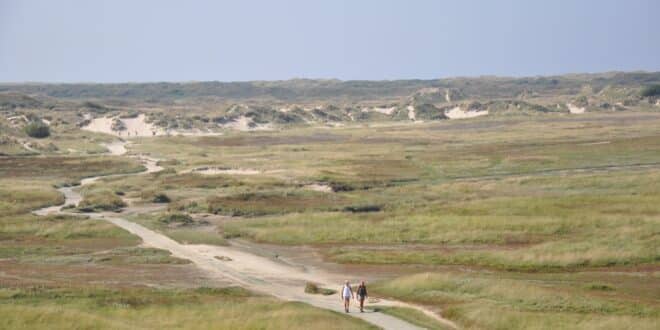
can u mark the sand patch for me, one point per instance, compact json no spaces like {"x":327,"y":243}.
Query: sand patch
{"x":224,"y":170}
{"x":115,"y":148}
{"x":411,"y":113}
{"x":595,"y":143}
{"x":17,"y":121}
{"x":575,"y":109}
{"x":132,"y":127}
{"x":385,"y":111}
{"x":458,"y":113}
{"x":244,"y":123}
{"x":319,"y":187}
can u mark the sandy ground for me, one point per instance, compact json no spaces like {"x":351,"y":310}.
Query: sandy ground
{"x":258,"y":273}
{"x":458,"y":113}
{"x":135,"y":127}
{"x":230,"y":171}
{"x":385,"y":111}
{"x":319,"y":187}
{"x":243,"y":123}
{"x":411,"y":113}
{"x":575,"y":109}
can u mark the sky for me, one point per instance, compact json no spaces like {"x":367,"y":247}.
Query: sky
{"x":195,"y":40}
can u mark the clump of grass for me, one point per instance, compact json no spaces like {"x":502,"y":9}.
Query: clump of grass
{"x":363,"y":208}
{"x":599,"y":287}
{"x":312,"y":288}
{"x":180,"y":219}
{"x":161,"y":198}
{"x":101,"y":201}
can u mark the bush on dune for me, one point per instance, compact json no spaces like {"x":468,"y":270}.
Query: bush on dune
{"x":37,"y":130}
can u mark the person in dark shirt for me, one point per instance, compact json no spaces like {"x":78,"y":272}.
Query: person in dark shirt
{"x":361,"y":295}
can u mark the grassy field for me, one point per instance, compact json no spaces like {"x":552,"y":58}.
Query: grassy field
{"x":72,"y":272}
{"x":564,"y":211}
{"x":202,"y":308}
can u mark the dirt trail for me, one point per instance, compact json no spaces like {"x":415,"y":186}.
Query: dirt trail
{"x":258,"y":273}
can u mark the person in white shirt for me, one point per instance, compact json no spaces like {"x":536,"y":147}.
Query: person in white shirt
{"x":346,"y":295}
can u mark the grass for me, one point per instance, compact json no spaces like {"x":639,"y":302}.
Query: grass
{"x":491,"y":303}
{"x":413,"y":316}
{"x":203,"y":308}
{"x":99,"y":201}
{"x":312,"y":288}
{"x":181,"y":228}
{"x":550,"y":222}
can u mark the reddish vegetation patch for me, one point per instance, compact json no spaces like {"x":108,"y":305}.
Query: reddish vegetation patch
{"x":15,"y":274}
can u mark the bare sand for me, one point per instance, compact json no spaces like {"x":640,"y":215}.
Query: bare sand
{"x":575,"y":109}
{"x":319,"y":187}
{"x":219,"y":170}
{"x":135,"y":127}
{"x":458,"y":113}
{"x":383,"y":110}
{"x":244,"y":123}
{"x":411,"y":113}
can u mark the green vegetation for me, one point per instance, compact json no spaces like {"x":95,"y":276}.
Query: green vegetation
{"x":312,"y":288}
{"x":37,"y":130}
{"x":528,"y":218}
{"x":101,"y":201}
{"x":203,"y":308}
{"x":491,"y":303}
{"x":652,"y":90}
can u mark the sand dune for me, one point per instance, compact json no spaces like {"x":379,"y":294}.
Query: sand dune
{"x":458,"y":113}
{"x":411,"y":112}
{"x":134,"y":127}
{"x":575,"y":109}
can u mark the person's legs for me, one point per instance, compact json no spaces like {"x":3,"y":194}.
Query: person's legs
{"x":347,"y":302}
{"x":361,"y":304}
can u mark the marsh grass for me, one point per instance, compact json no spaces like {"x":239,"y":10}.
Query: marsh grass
{"x":483,"y":303}
{"x":104,"y":200}
{"x":204,"y":308}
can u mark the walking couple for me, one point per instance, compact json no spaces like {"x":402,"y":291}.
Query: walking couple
{"x":347,"y":295}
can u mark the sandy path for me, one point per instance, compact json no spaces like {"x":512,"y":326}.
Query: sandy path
{"x":258,"y":273}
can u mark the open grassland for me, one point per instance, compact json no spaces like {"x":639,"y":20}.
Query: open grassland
{"x":67,"y":271}
{"x":482,"y":302}
{"x":203,"y":308}
{"x":564,"y":211}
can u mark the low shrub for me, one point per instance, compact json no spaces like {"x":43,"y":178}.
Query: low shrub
{"x":37,"y":130}
{"x":161,"y":198}
{"x":363,"y":208}
{"x":312,"y":288}
{"x":176,"y":218}
{"x":101,"y":201}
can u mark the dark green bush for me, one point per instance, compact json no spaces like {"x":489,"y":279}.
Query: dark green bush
{"x":363,"y":208}
{"x":652,"y":90}
{"x":161,"y":198}
{"x":37,"y":130}
{"x":176,"y":218}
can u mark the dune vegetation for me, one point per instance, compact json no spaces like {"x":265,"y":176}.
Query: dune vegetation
{"x":542,"y":213}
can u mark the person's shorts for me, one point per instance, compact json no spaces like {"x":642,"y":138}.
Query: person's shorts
{"x":347,"y":298}
{"x":361,"y":297}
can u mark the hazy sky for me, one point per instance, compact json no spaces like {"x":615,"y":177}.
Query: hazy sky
{"x":117,"y":41}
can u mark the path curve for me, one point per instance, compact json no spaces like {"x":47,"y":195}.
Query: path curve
{"x":248,"y":270}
